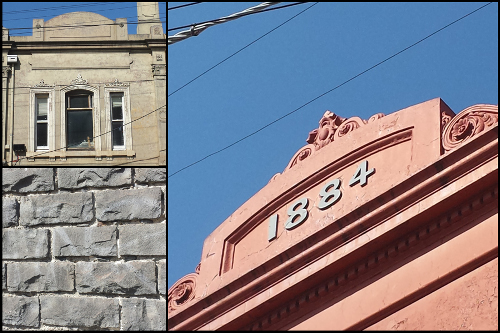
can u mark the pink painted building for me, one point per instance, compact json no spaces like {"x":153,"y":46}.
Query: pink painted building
{"x":385,"y":223}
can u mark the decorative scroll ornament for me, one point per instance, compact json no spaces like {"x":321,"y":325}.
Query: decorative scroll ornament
{"x":116,"y":83}
{"x":42,"y":84}
{"x":331,"y":127}
{"x":79,"y":80}
{"x":182,"y":292}
{"x":468,"y":123}
{"x":324,"y":134}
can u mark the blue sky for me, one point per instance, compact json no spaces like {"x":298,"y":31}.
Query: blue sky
{"x":316,"y":51}
{"x":21,"y":14}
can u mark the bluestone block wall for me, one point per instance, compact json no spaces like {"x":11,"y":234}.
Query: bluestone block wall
{"x":84,"y":248}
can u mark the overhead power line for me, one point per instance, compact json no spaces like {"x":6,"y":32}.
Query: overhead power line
{"x":46,"y":152}
{"x":262,"y":11}
{"x":186,"y":5}
{"x":244,"y":47}
{"x":323,"y":94}
{"x":198,"y":29}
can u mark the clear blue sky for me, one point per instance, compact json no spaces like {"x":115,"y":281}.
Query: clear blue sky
{"x":316,"y":51}
{"x":21,"y":14}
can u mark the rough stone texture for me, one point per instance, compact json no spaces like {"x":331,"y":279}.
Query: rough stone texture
{"x":96,"y":177}
{"x":10,"y":213}
{"x":152,"y":240}
{"x":86,"y":312}
{"x":162,"y":276}
{"x":57,"y":208}
{"x":87,"y":241}
{"x":61,"y":261}
{"x":40,"y":276}
{"x":144,"y":314}
{"x":27,"y":180}
{"x":143,"y":175}
{"x":128,"y":204}
{"x":130,"y":278}
{"x":4,"y":278}
{"x":24,"y":243}
{"x":20,"y":311}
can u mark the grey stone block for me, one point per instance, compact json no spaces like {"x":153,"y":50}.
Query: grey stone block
{"x":128,"y":204}
{"x":27,"y":179}
{"x":93,"y":177}
{"x":20,"y":311}
{"x":144,"y":314}
{"x":143,"y":239}
{"x":57,"y":208}
{"x":84,"y":241}
{"x":145,"y":175}
{"x":84,"y":311}
{"x":130,"y":278}
{"x":162,"y":276}
{"x":40,"y":276}
{"x":10,"y":212}
{"x":4,"y":278}
{"x":24,"y":244}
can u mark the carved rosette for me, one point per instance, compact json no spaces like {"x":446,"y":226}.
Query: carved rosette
{"x":331,"y":127}
{"x":324,"y":134}
{"x":182,"y":292}
{"x":468,"y":123}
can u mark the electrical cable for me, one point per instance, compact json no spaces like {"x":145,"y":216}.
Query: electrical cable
{"x":244,"y":47}
{"x":50,"y":151}
{"x":352,"y":78}
{"x":83,"y":24}
{"x":196,"y":30}
{"x":43,"y":9}
{"x":262,"y":11}
{"x":186,"y":5}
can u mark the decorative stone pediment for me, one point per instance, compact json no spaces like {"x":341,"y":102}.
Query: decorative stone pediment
{"x":331,"y":127}
{"x":90,"y":26}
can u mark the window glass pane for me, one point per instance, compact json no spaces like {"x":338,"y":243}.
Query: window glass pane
{"x":41,"y":135}
{"x":79,"y":101}
{"x":80,"y":129}
{"x":117,"y":133}
{"x":116,"y":106}
{"x":41,"y":106}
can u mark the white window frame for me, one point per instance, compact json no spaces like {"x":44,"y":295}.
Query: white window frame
{"x":127,"y":129}
{"x":32,"y":144}
{"x":117,"y":147}
{"x":96,"y":115}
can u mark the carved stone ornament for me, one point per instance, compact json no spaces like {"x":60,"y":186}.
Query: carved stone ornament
{"x":467,"y":124}
{"x":42,"y":84}
{"x":182,"y":292}
{"x":331,"y":127}
{"x":116,"y":83}
{"x":5,"y":71}
{"x":79,"y":80}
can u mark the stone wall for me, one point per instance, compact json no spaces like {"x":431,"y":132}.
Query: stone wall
{"x":84,"y":248}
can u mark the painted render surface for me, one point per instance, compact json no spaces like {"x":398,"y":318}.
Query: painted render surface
{"x":100,"y":59}
{"x":374,"y":224}
{"x":84,"y":249}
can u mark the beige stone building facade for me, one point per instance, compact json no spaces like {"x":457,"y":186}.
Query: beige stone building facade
{"x":81,"y":90}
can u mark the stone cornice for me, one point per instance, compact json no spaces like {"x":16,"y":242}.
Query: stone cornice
{"x":380,"y":261}
{"x":446,"y":170}
{"x":23,"y":46}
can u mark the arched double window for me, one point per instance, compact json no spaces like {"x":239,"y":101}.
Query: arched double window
{"x":80,"y":117}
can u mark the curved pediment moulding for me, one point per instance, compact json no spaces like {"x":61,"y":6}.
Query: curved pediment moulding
{"x":467,"y":124}
{"x":331,"y":127}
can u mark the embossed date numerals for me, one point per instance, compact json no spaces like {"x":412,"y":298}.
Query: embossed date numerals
{"x":329,"y":194}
